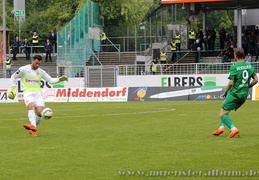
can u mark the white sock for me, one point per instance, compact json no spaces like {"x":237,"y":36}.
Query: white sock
{"x":221,"y":127}
{"x":233,"y":128}
{"x":38,"y":120}
{"x":32,"y":117}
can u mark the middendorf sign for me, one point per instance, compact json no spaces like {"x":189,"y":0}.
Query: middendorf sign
{"x":85,"y":94}
{"x":186,"y":1}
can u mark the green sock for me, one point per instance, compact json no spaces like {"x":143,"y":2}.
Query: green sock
{"x":225,"y":119}
{"x":222,"y":123}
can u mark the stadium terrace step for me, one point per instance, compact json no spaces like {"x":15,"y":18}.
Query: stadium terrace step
{"x":49,"y":67}
{"x":112,"y":58}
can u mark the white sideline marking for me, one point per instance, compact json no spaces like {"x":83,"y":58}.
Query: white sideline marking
{"x":95,"y":115}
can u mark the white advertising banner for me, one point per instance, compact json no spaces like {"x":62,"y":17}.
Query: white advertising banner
{"x":86,"y":94}
{"x":173,"y":80}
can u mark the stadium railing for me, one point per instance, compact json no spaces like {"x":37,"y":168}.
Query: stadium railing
{"x":40,"y":50}
{"x":162,"y":69}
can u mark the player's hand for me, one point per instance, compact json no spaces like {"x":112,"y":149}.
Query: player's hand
{"x":12,"y":93}
{"x":224,"y":94}
{"x":62,"y":78}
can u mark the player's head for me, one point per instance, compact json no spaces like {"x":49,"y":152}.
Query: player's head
{"x":239,"y":53}
{"x":36,"y":62}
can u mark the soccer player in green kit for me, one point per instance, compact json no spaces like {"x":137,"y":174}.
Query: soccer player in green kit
{"x":236,"y":91}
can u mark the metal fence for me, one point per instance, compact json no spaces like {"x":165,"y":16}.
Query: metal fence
{"x":178,"y":69}
{"x":74,"y":45}
{"x":162,"y":69}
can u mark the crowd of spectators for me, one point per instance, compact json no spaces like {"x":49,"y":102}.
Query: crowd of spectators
{"x":205,"y":40}
{"x":28,"y":46}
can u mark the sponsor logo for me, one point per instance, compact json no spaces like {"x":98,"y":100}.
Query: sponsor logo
{"x":207,"y":97}
{"x":140,"y":93}
{"x":84,"y":92}
{"x":210,"y":81}
{"x":31,"y":81}
{"x":188,"y":81}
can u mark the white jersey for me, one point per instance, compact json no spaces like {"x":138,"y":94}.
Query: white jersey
{"x":31,"y":78}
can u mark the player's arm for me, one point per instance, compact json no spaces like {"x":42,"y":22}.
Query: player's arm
{"x":254,"y":81}
{"x":229,"y":86}
{"x":51,"y":80}
{"x":14,"y":76}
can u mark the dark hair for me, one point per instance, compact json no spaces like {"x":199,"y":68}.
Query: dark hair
{"x":239,"y":53}
{"x":37,"y":57}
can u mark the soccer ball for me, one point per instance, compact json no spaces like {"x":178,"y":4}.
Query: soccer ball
{"x":46,"y":113}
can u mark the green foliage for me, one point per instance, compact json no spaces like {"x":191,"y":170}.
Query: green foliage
{"x":119,"y":13}
{"x":217,"y":19}
{"x":42,"y":16}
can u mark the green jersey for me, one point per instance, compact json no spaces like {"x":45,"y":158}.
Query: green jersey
{"x":241,"y":73}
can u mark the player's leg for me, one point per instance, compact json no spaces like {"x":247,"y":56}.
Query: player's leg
{"x":229,"y":104}
{"x":221,"y":128}
{"x":29,"y":102}
{"x":38,"y":114}
{"x":39,"y":106}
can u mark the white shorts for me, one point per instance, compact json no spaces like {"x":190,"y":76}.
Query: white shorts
{"x":34,"y":97}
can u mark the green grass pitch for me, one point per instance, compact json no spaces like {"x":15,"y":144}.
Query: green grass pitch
{"x":113,"y":140}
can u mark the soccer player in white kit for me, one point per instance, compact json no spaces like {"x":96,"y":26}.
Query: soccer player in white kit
{"x":31,"y":76}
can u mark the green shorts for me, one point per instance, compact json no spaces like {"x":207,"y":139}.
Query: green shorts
{"x":231,"y":102}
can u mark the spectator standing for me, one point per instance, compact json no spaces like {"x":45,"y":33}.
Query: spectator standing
{"x":177,"y":39}
{"x":222,"y":37}
{"x":212,"y":38}
{"x":173,"y":50}
{"x":35,"y":42}
{"x":15,"y":45}
{"x":163,"y":56}
{"x":153,"y":66}
{"x":200,"y":36}
{"x":191,"y":38}
{"x":27,"y":50}
{"x":8,"y":65}
{"x":53,"y":39}
{"x":48,"y":49}
{"x":207,"y":39}
{"x":103,"y":40}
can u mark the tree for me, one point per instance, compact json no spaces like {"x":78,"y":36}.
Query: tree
{"x":124,"y":13}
